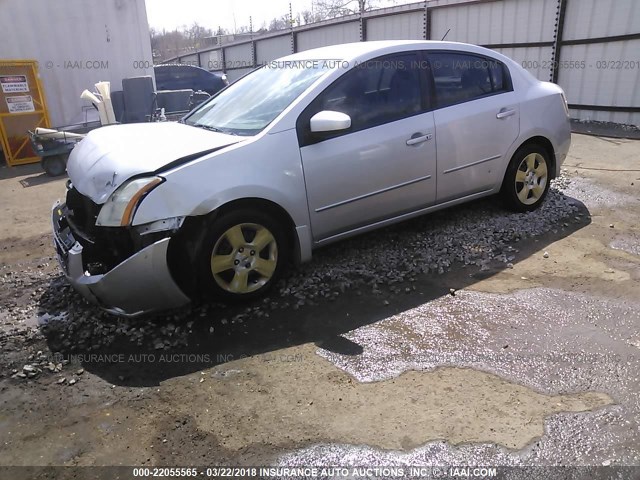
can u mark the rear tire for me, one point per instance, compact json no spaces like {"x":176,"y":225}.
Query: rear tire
{"x":241,"y":256}
{"x":526,"y":182}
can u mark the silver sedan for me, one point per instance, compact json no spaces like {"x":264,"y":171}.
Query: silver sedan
{"x":306,"y":150}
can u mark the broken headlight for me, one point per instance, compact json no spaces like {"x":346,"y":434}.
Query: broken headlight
{"x":119,"y":209}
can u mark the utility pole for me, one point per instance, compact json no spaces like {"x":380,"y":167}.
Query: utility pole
{"x":253,"y":43}
{"x":294,"y":46}
{"x":363,"y":22}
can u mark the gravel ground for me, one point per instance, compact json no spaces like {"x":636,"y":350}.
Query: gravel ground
{"x":477,"y":235}
{"x":422,"y":343}
{"x":605,"y":129}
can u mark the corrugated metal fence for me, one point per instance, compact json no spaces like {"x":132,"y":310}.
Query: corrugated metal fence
{"x":590,"y":47}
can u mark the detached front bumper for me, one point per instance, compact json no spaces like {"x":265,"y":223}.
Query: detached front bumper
{"x":140,"y":284}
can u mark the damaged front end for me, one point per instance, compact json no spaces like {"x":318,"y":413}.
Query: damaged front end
{"x":122,"y":269}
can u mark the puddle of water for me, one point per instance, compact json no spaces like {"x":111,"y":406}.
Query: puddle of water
{"x":529,"y":336}
{"x":568,"y":440}
{"x":550,"y":340}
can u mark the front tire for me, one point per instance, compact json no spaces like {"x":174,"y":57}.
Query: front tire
{"x":526,"y":182}
{"x":242,"y":256}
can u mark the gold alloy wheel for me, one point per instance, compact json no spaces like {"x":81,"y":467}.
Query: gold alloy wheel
{"x":531,"y":178}
{"x":244,"y":258}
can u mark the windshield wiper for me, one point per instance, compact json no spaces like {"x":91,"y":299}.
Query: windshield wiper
{"x":207,"y":127}
{"x":212,"y":129}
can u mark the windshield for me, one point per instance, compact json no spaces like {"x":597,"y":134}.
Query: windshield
{"x":249,"y":105}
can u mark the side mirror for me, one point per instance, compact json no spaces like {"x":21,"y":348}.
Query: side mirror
{"x":330,"y":121}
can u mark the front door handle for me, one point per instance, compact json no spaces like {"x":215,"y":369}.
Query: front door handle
{"x":505,"y":113}
{"x":417,"y":138}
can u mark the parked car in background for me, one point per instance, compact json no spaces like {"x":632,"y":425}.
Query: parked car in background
{"x":310,"y":149}
{"x":181,"y":77}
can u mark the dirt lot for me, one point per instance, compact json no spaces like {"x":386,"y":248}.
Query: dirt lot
{"x":423,"y":344}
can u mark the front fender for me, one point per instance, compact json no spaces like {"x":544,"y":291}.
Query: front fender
{"x":268,"y":168}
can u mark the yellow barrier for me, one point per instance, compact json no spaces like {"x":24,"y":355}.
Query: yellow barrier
{"x":22,"y":108}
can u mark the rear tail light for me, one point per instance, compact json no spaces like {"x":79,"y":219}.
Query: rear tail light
{"x":565,"y":103}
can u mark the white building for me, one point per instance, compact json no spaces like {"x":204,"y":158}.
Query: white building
{"x":76,"y":43}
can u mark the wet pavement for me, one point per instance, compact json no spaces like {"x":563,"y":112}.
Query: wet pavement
{"x":552,"y":341}
{"x":628,"y":243}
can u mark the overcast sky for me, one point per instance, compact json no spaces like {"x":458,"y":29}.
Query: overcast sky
{"x":171,"y":14}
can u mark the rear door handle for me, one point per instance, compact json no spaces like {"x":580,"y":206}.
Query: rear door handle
{"x":505,"y":113}
{"x":417,"y":138}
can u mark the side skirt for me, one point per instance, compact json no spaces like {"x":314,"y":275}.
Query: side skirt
{"x":403,"y":217}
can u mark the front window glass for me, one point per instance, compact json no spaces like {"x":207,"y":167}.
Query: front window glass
{"x":253,"y":102}
{"x":379,"y":91}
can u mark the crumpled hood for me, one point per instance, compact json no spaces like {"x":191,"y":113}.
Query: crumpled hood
{"x":109,"y":156}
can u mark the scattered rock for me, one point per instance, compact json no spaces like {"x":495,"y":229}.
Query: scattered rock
{"x":478,"y":235}
{"x":546,"y":255}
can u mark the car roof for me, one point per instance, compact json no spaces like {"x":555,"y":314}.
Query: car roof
{"x":352,"y":51}
{"x":183,"y":65}
{"x":363,"y":51}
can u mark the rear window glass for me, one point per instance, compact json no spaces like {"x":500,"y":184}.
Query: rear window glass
{"x":461,"y":77}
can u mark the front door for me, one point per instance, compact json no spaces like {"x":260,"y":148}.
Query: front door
{"x":385,"y":164}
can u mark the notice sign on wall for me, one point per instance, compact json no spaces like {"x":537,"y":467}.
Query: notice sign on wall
{"x":23,"y":103}
{"x":14,"y":84}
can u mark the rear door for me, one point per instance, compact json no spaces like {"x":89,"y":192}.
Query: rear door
{"x":477,"y":119}
{"x":385,"y":164}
